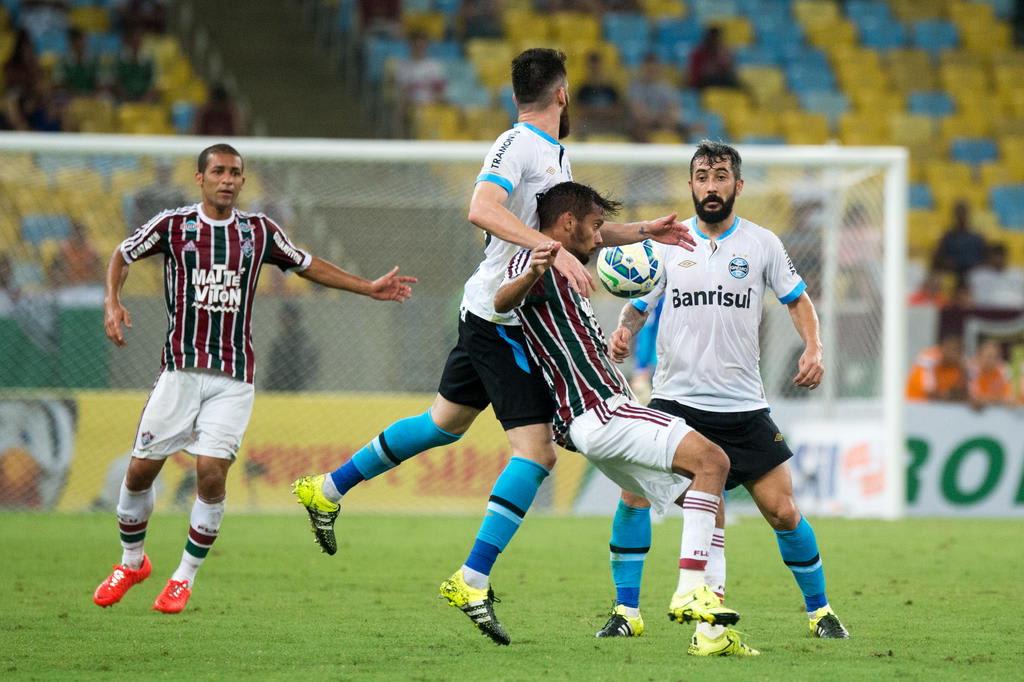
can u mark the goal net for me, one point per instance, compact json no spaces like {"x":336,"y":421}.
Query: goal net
{"x":334,"y":369}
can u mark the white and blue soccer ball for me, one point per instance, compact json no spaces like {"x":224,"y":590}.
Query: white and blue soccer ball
{"x":629,"y":271}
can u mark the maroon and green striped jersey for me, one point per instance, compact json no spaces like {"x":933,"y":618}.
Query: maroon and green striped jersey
{"x":211,"y":269}
{"x":566,"y":340}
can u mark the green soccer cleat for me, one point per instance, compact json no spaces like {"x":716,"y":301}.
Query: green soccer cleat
{"x":700,"y":604}
{"x":477,"y":604}
{"x":322,"y":512}
{"x":825,"y":624}
{"x":729,"y":643}
{"x":620,"y":624}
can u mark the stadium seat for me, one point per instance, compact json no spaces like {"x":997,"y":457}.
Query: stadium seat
{"x":673,"y":30}
{"x":815,"y":12}
{"x":974,"y":151}
{"x":525,"y":26}
{"x":934,"y":35}
{"x":934,"y":103}
{"x":1007,"y":203}
{"x":831,"y":104}
{"x":763,"y":82}
{"x":378,"y":51}
{"x":881,"y":35}
{"x":485,"y":123}
{"x":79,"y":179}
{"x":757,"y":55}
{"x":987,"y":40}
{"x":89,"y":19}
{"x":38,"y":227}
{"x":437,"y":122}
{"x":713,"y":11}
{"x":661,"y":9}
{"x":53,"y":42}
{"x":736,"y":31}
{"x":803,"y":77}
{"x":995,"y":173}
{"x":622,"y":27}
{"x":909,"y":129}
{"x":802,"y":127}
{"x":911,"y":69}
{"x":921,"y":196}
{"x":431,"y":24}
{"x":862,"y":129}
{"x":963,"y":125}
{"x":574,"y":26}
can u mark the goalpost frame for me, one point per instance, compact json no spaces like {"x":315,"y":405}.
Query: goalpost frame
{"x":892,"y":160}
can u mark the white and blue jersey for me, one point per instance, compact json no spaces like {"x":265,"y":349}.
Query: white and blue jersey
{"x":524,"y":161}
{"x":707,"y":346}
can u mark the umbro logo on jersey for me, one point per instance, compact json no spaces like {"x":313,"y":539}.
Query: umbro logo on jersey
{"x":551,"y":170}
{"x":687,"y":263}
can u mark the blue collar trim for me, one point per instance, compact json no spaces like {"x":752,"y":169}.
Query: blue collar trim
{"x":538,"y":131}
{"x":732,"y":228}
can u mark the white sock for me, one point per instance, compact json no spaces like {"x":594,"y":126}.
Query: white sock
{"x":330,"y":490}
{"x":134,"y":508}
{"x":810,"y":614}
{"x":699,"y":511}
{"x":204,"y":526}
{"x":475,"y":579}
{"x":709,"y":630}
{"x":631,"y":611}
{"x":714,"y":573}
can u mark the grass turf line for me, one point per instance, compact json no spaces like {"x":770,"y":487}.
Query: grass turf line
{"x":923,"y":599}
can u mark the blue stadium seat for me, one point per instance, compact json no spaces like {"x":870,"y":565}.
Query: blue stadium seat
{"x":1008,"y":204}
{"x":103,"y":44}
{"x":377,"y":53}
{"x":831,"y":104}
{"x":51,"y":163}
{"x":857,"y":10}
{"x":52,"y":41}
{"x":974,"y":150}
{"x":798,"y":53}
{"x":757,"y":55}
{"x":881,"y":34}
{"x":762,"y":139}
{"x":803,"y":77}
{"x":677,"y":52}
{"x":759,"y":9}
{"x":778,"y":35}
{"x":632,"y":52}
{"x":622,"y":27}
{"x":108,"y":164}
{"x":671,"y":30}
{"x":921,"y":196}
{"x":448,"y":7}
{"x":711,"y":126}
{"x":935,"y":35}
{"x":445,"y":50}
{"x":707,"y":11}
{"x":931,"y":103}
{"x":505,"y":99}
{"x":467,"y":94}
{"x":183,"y":115}
{"x":39,"y":227}
{"x":689,"y":103}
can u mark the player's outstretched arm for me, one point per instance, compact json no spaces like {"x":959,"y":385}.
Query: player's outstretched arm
{"x":811,"y":367}
{"x":511,"y":294}
{"x":630,"y":322}
{"x":115,"y":314}
{"x":665,"y":229}
{"x":390,"y":287}
{"x":487,"y":211}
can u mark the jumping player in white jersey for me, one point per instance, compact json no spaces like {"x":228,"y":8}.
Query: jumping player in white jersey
{"x":708,"y":373}
{"x":489,"y":364}
{"x":203,"y":398}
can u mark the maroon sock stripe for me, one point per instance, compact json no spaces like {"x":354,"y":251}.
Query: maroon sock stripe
{"x":132,"y":527}
{"x":200,"y":539}
{"x":699,"y":505}
{"x":693,"y":564}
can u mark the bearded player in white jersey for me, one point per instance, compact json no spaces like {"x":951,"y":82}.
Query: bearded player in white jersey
{"x":489,"y":364}
{"x":708,"y":374}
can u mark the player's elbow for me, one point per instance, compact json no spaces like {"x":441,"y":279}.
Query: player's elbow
{"x":503,"y":304}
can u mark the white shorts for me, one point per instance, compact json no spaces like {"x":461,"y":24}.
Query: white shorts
{"x":633,"y":446}
{"x":202,"y":412}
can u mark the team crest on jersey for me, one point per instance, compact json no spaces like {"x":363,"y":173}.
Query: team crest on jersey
{"x":739,"y":267}
{"x":146,"y":438}
{"x":687,"y":263}
{"x":247,"y":247}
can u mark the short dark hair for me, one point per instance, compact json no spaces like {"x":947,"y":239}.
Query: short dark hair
{"x":221,"y":148}
{"x":573,"y":197}
{"x":715,"y":152}
{"x":535,"y":71}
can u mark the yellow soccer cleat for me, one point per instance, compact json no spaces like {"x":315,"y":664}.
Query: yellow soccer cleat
{"x":620,"y":624}
{"x":477,"y":604}
{"x":322,"y":512}
{"x":729,"y":643}
{"x":825,"y":624}
{"x":700,"y":604}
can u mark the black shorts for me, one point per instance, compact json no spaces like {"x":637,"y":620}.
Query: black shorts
{"x":491,"y":366}
{"x":752,"y":441}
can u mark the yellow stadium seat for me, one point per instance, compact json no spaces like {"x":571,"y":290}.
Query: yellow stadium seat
{"x":914,"y":10}
{"x":948,"y":195}
{"x":1012,"y":148}
{"x":525,"y":26}
{"x":965,"y":125}
{"x":723,"y":100}
{"x":436,"y":122}
{"x":1007,"y":125}
{"x":826,"y":36}
{"x":1000,"y":173}
{"x":485,"y":123}
{"x":491,"y":58}
{"x":6,"y":46}
{"x":911,"y":69}
{"x":959,"y":76}
{"x":878,"y":100}
{"x":608,"y":138}
{"x":664,"y":9}
{"x":90,"y":115}
{"x":569,"y":26}
{"x":763,"y":82}
{"x":431,"y":24}
{"x":987,"y":224}
{"x":1008,"y":77}
{"x":90,"y":19}
{"x":909,"y":129}
{"x":966,"y":15}
{"x":987,"y":40}
{"x":79,"y":179}
{"x":143,"y":119}
{"x":742,"y":122}
{"x":125,"y":180}
{"x":665,"y":137}
{"x":815,"y":12}
{"x":862,"y":129}
{"x":736,"y":31}
{"x":924,"y":228}
{"x":948,"y":172}
{"x":801,"y":127}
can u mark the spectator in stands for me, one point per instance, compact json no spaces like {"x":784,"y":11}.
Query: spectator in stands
{"x":145,"y":16}
{"x":993,"y":284}
{"x":43,"y":16}
{"x":381,"y":16}
{"x":157,"y":196}
{"x":929,"y":292}
{"x":78,"y":262}
{"x":33,"y":110}
{"x":938,"y":373}
{"x":22,"y":71}
{"x":421,"y":79}
{"x":711,"y":62}
{"x":481,"y":19}
{"x":220,"y":116}
{"x":988,"y":377}
{"x":653,"y":103}
{"x":134,"y":79}
{"x":961,"y":249}
{"x":77,"y":73}
{"x":294,"y":359}
{"x":598,"y":99}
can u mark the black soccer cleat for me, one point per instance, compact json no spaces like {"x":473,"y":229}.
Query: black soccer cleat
{"x":478,"y":605}
{"x":825,"y":625}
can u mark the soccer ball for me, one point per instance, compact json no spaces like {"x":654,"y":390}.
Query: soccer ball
{"x":629,"y":271}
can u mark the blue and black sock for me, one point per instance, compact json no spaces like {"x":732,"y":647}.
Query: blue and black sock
{"x":631,"y":540}
{"x":799,"y":550}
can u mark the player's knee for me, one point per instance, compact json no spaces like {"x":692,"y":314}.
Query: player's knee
{"x":635,"y":501}
{"x":544,"y":456}
{"x":140,"y":474}
{"x":714,"y":461}
{"x":783,"y":514}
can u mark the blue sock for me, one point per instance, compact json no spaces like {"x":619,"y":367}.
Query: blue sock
{"x":395,"y":444}
{"x":631,"y":540}
{"x":510,"y":499}
{"x":799,"y":550}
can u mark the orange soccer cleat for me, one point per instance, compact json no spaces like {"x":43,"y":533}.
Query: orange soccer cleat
{"x":120,"y":581}
{"x":174,"y":597}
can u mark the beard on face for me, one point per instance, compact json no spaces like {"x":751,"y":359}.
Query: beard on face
{"x":578,"y":244}
{"x":563,"y":123}
{"x":712,"y":217}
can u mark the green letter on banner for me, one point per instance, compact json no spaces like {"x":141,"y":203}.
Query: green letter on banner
{"x":950,"y":488}
{"x":918,"y":450}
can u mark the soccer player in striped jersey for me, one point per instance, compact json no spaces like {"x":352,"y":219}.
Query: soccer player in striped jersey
{"x":489,"y":364}
{"x":708,"y":374}
{"x":203,"y":398}
{"x":646,"y":452}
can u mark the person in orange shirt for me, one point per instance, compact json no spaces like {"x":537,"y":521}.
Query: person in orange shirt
{"x":988,"y":377}
{"x":938,"y":372}
{"x":78,"y":263}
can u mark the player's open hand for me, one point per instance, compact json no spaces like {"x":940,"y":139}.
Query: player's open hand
{"x":621,"y":343}
{"x":810,"y":369}
{"x":668,"y":230}
{"x":543,"y":257}
{"x":114,"y":316}
{"x":392,"y":287}
{"x":570,"y":266}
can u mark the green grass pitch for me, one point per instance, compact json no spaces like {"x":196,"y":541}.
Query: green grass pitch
{"x":923,"y":599}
